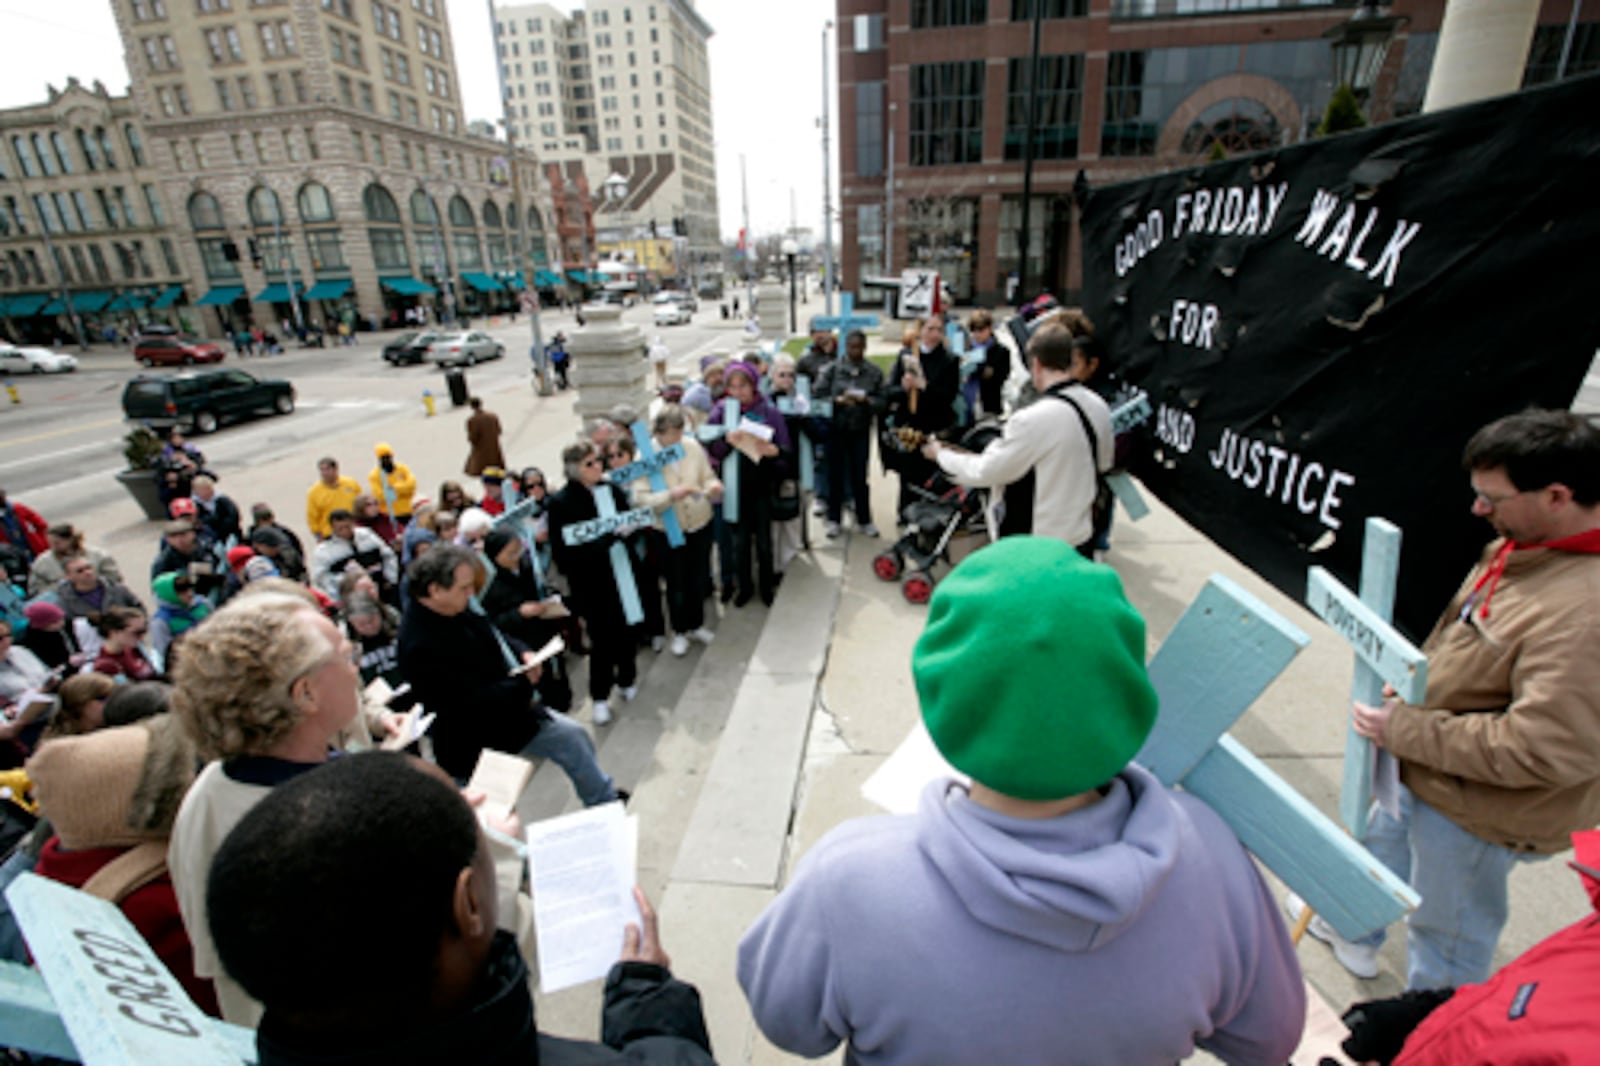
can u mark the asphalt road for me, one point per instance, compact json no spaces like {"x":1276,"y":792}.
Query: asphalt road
{"x":59,"y":446}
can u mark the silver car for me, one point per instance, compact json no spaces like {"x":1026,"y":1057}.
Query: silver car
{"x":463,"y":349}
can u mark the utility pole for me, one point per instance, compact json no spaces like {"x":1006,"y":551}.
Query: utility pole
{"x":61,"y":270}
{"x":888,"y":203}
{"x":286,"y":264}
{"x":749,"y":242}
{"x":827,"y":176}
{"x":1027,"y":155}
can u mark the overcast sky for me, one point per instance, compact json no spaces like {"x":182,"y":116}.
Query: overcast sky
{"x":766,"y":86}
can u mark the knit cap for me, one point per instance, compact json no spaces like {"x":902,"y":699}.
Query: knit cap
{"x":1031,"y":671}
{"x":258,"y":568}
{"x":492,"y":474}
{"x":43,"y":614}
{"x":238,"y":556}
{"x":114,"y":787}
{"x":382,"y":449}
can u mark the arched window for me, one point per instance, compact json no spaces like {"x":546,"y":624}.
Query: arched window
{"x":135,"y":145}
{"x":41,"y":150}
{"x":315,"y":203}
{"x":264,"y":207}
{"x":491,"y":215}
{"x":30,"y":169}
{"x":204,"y":211}
{"x":90,"y":150}
{"x":105,"y":147}
{"x":461,"y":213}
{"x":379,"y":205}
{"x":423,"y":209}
{"x":63,"y":157}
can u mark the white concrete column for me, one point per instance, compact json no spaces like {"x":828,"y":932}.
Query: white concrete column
{"x":608,"y":362}
{"x":1483,"y":50}
{"x":772,"y":309}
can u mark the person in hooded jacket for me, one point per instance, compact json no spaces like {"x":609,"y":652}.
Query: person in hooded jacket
{"x":178,"y":610}
{"x":381,"y":826}
{"x":520,"y":605}
{"x":1064,"y":906}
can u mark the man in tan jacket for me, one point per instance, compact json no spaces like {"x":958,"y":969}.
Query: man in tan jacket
{"x":1502,"y":762}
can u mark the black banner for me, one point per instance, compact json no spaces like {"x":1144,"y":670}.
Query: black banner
{"x":1321,"y":328}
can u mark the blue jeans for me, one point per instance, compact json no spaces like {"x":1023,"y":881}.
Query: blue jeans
{"x":568,"y":745}
{"x":1462,"y":881}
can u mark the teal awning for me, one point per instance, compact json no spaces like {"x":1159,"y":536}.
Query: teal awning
{"x":94,"y":300}
{"x":480,"y":281}
{"x":167,"y":298}
{"x":580,"y":276}
{"x":126,"y":302}
{"x":546,"y":279}
{"x":220,"y":296}
{"x":23,"y":306}
{"x":277,"y":294}
{"x":328,"y":290}
{"x":516,"y":283}
{"x":406,"y":286}
{"x":54,"y":307}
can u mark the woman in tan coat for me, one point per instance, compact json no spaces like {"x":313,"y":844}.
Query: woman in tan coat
{"x":483,"y":436}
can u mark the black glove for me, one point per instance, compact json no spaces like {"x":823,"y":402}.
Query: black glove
{"x":1379,"y":1027}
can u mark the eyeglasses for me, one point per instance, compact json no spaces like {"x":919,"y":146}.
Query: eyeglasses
{"x":1492,"y":502}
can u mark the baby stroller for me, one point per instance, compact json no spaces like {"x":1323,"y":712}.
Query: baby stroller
{"x":940,"y":511}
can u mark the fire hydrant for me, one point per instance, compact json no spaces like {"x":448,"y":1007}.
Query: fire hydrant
{"x":11,"y":391}
{"x":427,"y":400}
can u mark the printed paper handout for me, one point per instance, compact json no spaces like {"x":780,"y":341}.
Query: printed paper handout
{"x":582,"y":872}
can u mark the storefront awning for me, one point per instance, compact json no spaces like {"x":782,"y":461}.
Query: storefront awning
{"x":331,"y":289}
{"x":580,"y":276}
{"x":170,"y":296}
{"x":277,"y":294}
{"x":83,"y":302}
{"x":480,"y":281}
{"x":23,"y":306}
{"x":547,"y":279}
{"x":221,"y":296}
{"x":407,"y":286}
{"x":126,"y":302}
{"x":515,"y":282}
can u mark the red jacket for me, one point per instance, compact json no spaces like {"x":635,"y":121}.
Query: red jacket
{"x":152,"y":908}
{"x":1543,"y":1008}
{"x":33,"y":529}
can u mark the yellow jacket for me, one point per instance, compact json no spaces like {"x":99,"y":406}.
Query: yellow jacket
{"x":323,"y":499}
{"x":402,"y":483}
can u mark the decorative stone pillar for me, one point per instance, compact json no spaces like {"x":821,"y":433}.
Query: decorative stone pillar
{"x":608,"y":362}
{"x":772,"y":309}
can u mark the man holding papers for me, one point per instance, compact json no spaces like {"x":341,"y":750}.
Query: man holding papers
{"x":433,"y":981}
{"x":1064,"y":906}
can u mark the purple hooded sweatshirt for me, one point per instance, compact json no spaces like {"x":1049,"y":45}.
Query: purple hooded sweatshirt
{"x":1126,"y":933}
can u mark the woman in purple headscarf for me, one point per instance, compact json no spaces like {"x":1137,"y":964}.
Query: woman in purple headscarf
{"x":761,"y":465}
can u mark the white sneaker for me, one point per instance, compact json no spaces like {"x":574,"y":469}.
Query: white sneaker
{"x":628,"y":693}
{"x":602,"y":712}
{"x":869,"y":530}
{"x":1360,"y":959}
{"x":680,"y":645}
{"x":833,"y":530}
{"x":657,"y":643}
{"x":703,"y":635}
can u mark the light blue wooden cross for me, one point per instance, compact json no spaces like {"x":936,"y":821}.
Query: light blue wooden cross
{"x":1382,"y":655}
{"x":847,"y":319}
{"x":100,"y":994}
{"x":822,"y":409}
{"x":649,"y":465}
{"x":1223,"y":653}
{"x":519,"y":519}
{"x":730,"y":465}
{"x":609,"y":522}
{"x":1124,"y":417}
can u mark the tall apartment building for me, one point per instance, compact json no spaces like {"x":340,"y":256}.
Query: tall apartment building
{"x":619,"y":87}
{"x":1127,"y":87}
{"x":312,"y":143}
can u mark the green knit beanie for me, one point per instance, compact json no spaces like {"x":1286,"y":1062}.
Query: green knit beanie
{"x":1031,"y":670}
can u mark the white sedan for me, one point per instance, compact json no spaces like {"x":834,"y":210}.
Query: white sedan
{"x":15,"y":360}
{"x":669,"y":312}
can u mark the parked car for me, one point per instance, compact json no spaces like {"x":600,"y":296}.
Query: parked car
{"x":169,"y":350}
{"x":463,"y":349}
{"x":683,"y":296}
{"x":409,"y":348}
{"x":15,"y":360}
{"x":669,"y":312}
{"x":200,"y":401}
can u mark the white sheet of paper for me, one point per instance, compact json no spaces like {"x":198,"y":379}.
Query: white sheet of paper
{"x":378,"y":691}
{"x":413,"y":724}
{"x":552,"y":647}
{"x":581,"y":872}
{"x":501,"y":778}
{"x":756,"y":429}
{"x":897,"y":785}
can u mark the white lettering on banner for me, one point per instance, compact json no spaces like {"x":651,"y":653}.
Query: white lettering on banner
{"x":1194,"y":324}
{"x":1229,"y":212}
{"x":1305,"y":484}
{"x":1175,"y":428}
{"x":1338,"y":244}
{"x":1145,"y":238}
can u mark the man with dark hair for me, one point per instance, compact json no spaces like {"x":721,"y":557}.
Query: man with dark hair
{"x":331,"y":491}
{"x":1064,"y":440}
{"x":1501,"y":762}
{"x":83,"y":593}
{"x":856,"y":389}
{"x":470,"y":675}
{"x":352,"y":544}
{"x":433,"y":981}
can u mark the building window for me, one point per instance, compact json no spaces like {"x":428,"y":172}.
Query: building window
{"x":205,"y":212}
{"x":327,"y":250}
{"x":1058,"y":104}
{"x":947,"y":113}
{"x":869,"y":128}
{"x":1544,"y":57}
{"x":247,"y":95}
{"x":377,"y":151}
{"x":169,"y":257}
{"x":297,"y":80}
{"x":215,"y":261}
{"x":152,"y":203}
{"x":932,"y":14}
{"x":1022,"y":10}
{"x":868,"y":33}
{"x":468,"y":254}
{"x":347,"y":92}
{"x":275,"y":89}
{"x":359,"y":141}
{"x":224,"y":94}
{"x":942,"y":235}
{"x":1146,"y":9}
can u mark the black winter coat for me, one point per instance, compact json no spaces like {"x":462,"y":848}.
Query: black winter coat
{"x":587,"y":566}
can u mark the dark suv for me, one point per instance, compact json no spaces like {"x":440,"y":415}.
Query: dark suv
{"x":169,"y":350}
{"x":200,"y":401}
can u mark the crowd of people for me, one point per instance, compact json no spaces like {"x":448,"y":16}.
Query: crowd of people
{"x":210,"y":762}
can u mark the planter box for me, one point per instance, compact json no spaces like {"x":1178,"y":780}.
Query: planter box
{"x":141,"y":485}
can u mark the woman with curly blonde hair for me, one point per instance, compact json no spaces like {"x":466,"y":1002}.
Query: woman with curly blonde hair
{"x":262,"y":689}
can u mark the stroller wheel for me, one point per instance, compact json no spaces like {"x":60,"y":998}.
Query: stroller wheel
{"x":887,"y":565}
{"x":917,"y":588}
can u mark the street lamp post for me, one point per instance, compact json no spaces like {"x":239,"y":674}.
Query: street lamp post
{"x":1360,"y":44}
{"x":616,"y":190}
{"x":827,"y":176}
{"x":790,"y":250}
